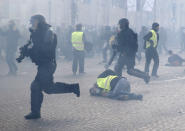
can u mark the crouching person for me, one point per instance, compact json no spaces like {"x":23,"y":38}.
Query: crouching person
{"x":174,"y":59}
{"x":110,"y":85}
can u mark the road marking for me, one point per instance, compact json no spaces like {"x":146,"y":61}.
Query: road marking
{"x":170,"y":80}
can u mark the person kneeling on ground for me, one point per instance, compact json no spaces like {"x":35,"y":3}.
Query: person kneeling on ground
{"x":110,"y":85}
{"x":174,"y":59}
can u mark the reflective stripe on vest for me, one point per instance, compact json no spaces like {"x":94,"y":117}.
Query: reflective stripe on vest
{"x":153,"y":38}
{"x":112,"y":38}
{"x":77,"y":40}
{"x":104,"y":83}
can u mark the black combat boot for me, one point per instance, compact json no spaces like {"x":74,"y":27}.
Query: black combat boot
{"x":140,"y":74}
{"x":32,"y":116}
{"x":147,"y":79}
{"x":60,"y":88}
{"x":76,"y":90}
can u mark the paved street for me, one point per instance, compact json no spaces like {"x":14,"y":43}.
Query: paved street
{"x":163,"y":106}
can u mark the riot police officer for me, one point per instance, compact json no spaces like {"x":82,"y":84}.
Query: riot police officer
{"x":42,"y":53}
{"x":128,"y":46}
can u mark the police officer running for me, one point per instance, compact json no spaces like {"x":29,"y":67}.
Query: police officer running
{"x":127,"y":47}
{"x":42,"y":53}
{"x":78,"y":43}
{"x":151,"y":43}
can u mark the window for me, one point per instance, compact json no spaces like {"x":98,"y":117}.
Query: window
{"x":118,"y":3}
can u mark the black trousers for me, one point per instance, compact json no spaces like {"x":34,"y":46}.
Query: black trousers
{"x":10,"y":59}
{"x":78,"y":60}
{"x":151,"y":53}
{"x":128,"y":61}
{"x":44,"y":82}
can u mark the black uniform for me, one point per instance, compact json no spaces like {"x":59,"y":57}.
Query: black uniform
{"x":43,"y":55}
{"x":127,"y":46}
{"x":151,"y":53}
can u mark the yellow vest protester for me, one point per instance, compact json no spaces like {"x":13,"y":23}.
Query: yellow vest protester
{"x":104,"y":83}
{"x":153,"y":38}
{"x":77,"y":41}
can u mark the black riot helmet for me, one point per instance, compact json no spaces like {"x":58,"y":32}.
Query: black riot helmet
{"x":124,"y":23}
{"x":39,"y":18}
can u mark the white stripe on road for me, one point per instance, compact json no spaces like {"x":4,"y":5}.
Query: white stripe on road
{"x":170,"y":80}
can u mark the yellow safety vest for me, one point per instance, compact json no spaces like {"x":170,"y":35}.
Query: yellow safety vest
{"x":112,"y":38}
{"x":77,"y":40}
{"x":104,"y":83}
{"x":153,"y":38}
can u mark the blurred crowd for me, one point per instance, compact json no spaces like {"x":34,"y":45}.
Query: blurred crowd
{"x":13,"y":35}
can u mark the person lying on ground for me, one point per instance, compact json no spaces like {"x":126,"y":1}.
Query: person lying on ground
{"x":110,"y":85}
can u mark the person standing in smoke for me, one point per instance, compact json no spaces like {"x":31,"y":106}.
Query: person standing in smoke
{"x":152,"y":39}
{"x":162,"y":40}
{"x":78,"y":42}
{"x":42,"y":53}
{"x":67,"y":49}
{"x":182,"y":39}
{"x":12,"y":36}
{"x":2,"y":47}
{"x":106,"y":46}
{"x":127,"y":46}
{"x":142,"y":33}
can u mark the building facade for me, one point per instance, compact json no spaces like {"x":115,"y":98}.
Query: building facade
{"x":94,"y":12}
